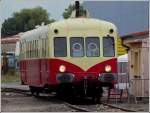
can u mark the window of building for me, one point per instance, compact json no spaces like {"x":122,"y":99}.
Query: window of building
{"x":92,"y":47}
{"x":122,"y":67}
{"x":60,"y":47}
{"x":108,"y":46}
{"x":77,"y":46}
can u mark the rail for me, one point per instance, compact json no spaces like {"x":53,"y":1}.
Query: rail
{"x":75,"y":107}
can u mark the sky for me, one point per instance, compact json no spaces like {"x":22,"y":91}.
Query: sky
{"x":97,"y":10}
{"x":54,"y":7}
{"x":128,"y":16}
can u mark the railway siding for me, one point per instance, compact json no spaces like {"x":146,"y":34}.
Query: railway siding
{"x":10,"y":94}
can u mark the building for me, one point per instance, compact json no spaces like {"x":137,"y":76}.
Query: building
{"x":138,"y":57}
{"x":8,"y":44}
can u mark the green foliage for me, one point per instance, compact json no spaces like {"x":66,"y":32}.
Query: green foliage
{"x":11,"y":76}
{"x":68,"y":11}
{"x":25,"y":20}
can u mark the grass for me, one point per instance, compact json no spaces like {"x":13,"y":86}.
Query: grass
{"x":11,"y":77}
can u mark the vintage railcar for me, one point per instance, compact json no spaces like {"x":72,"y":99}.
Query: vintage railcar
{"x":76,"y":55}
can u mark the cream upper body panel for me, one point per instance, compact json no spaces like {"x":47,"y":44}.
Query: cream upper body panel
{"x":73,"y":27}
{"x":81,"y":27}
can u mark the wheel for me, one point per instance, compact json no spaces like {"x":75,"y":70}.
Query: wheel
{"x":22,"y":82}
{"x":35,"y":91}
{"x":96,"y":98}
{"x":32,"y":90}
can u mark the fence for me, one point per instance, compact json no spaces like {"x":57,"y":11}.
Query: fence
{"x":138,"y":88}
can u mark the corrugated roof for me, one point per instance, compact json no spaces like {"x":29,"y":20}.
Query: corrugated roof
{"x":136,"y":34}
{"x":11,"y":39}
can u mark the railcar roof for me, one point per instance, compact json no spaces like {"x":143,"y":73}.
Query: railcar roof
{"x":35,"y":33}
{"x":69,"y":24}
{"x":82,"y":23}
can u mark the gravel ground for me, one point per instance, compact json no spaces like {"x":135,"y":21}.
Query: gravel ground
{"x":100,"y":108}
{"x":142,"y":106}
{"x":13,"y":102}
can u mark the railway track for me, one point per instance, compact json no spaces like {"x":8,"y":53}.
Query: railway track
{"x":77,"y":107}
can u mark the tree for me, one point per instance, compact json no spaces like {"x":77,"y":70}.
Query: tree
{"x":25,"y":20}
{"x":68,"y":11}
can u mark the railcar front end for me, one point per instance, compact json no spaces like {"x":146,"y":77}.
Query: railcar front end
{"x":76,"y":55}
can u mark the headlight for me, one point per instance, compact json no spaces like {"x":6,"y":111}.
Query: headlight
{"x":108,"y":68}
{"x":62,"y":68}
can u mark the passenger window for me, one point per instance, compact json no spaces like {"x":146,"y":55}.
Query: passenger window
{"x":108,"y":46}
{"x":43,"y":49}
{"x":92,"y":47}
{"x":77,"y":46}
{"x":60,"y":47}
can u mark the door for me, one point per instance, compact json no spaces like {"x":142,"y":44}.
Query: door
{"x":135,"y":64}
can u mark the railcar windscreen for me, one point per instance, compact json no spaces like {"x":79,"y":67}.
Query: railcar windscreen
{"x":77,"y":46}
{"x":60,"y":47}
{"x":92,"y":46}
{"x":108,"y":46}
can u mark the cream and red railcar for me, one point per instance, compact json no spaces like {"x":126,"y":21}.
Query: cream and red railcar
{"x":78,"y":53}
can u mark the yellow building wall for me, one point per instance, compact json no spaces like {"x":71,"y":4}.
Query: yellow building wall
{"x":121,"y":50}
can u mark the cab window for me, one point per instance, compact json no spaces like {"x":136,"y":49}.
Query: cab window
{"x":92,"y":47}
{"x":108,"y":46}
{"x":77,"y":46}
{"x":60,"y":47}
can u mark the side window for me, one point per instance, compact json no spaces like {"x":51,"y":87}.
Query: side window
{"x":21,"y":50}
{"x":92,"y":47}
{"x":46,"y":46}
{"x":60,"y":47}
{"x":31,"y":49}
{"x":43,"y":47}
{"x":37,"y":48}
{"x":108,"y":47}
{"x":27,"y":49}
{"x":77,"y":46}
{"x":34,"y":48}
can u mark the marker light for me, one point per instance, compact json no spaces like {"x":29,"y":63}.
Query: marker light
{"x":108,"y":68}
{"x":62,"y":68}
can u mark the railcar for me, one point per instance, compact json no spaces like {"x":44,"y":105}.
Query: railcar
{"x":77,"y":56}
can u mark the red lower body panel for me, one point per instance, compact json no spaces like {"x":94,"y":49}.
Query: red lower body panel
{"x":40,"y":72}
